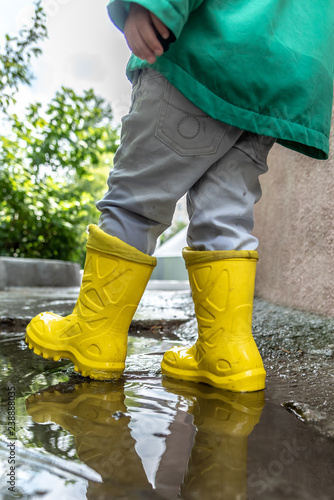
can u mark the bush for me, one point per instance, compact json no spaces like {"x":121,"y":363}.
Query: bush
{"x":47,"y":175}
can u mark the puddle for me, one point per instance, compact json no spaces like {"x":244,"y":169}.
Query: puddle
{"x":147,"y":437}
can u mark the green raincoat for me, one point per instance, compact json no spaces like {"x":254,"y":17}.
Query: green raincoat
{"x":265,"y":66}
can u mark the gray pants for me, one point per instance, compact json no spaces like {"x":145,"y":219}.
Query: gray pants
{"x":170,"y":147}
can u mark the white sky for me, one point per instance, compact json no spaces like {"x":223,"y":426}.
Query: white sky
{"x":84,"y":50}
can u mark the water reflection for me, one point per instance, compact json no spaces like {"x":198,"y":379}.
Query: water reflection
{"x":152,"y":439}
{"x":217,"y":468}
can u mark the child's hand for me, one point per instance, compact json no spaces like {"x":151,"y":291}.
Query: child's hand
{"x":140,"y":33}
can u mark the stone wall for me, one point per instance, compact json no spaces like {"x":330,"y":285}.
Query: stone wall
{"x":294,"y":222}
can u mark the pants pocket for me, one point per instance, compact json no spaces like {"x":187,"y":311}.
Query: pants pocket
{"x":185,"y":128}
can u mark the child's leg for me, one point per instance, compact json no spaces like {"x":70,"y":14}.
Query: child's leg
{"x":221,"y":264}
{"x":167,"y":144}
{"x":220,"y":204}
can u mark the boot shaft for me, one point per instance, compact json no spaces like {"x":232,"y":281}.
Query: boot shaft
{"x":222,"y":285}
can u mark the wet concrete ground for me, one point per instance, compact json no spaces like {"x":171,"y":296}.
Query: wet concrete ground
{"x":146,"y":436}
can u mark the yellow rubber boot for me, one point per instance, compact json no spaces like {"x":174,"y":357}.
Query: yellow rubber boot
{"x":225,"y":354}
{"x":94,"y":336}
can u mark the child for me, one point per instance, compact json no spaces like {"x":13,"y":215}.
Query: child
{"x":214,"y":84}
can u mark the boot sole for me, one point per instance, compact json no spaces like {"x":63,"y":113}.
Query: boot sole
{"x":82,"y":365}
{"x":248,"y":381}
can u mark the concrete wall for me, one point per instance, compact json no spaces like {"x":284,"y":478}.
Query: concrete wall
{"x":38,"y":272}
{"x":294,"y":222}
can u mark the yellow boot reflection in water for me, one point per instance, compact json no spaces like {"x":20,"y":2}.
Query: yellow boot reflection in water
{"x":95,"y":414}
{"x":208,"y":425}
{"x":217,"y":468}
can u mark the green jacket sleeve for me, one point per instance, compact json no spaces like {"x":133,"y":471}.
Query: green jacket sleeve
{"x":173,"y":13}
